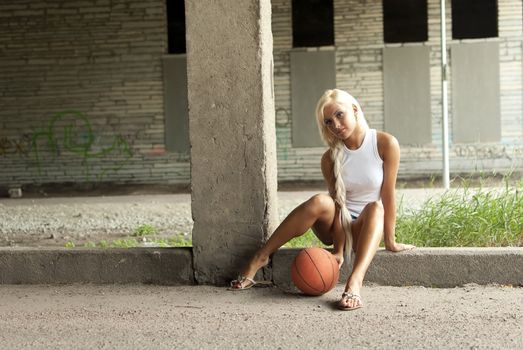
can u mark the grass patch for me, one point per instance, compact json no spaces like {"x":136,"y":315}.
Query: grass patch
{"x":145,"y":230}
{"x":179,"y":241}
{"x":124,"y":243}
{"x":308,"y":239}
{"x":90,"y":245}
{"x":466,"y":218}
{"x":132,"y":242}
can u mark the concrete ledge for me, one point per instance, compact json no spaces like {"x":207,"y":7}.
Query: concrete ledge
{"x":62,"y":265}
{"x":430,"y":267}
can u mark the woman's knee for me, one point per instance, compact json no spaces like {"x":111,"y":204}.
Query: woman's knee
{"x":321,"y":203}
{"x":376,"y":209}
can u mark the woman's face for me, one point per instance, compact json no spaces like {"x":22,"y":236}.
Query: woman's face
{"x":339,"y":120}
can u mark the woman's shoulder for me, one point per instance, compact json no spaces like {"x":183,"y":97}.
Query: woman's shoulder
{"x":387,"y":144}
{"x":385,"y":138}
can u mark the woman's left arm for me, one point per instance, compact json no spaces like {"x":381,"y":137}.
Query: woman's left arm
{"x":389,"y":150}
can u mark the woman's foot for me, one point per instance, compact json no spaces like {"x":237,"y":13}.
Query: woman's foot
{"x":242,"y":283}
{"x":351,"y":298}
{"x":246,"y":279}
{"x":350,"y":301}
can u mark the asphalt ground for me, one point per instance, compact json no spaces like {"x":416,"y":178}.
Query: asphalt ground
{"x":204,"y":317}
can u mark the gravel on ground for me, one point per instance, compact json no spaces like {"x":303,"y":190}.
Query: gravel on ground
{"x":47,"y":222}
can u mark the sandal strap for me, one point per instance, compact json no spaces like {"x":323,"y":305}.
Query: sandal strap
{"x":242,"y":279}
{"x":347,"y":295}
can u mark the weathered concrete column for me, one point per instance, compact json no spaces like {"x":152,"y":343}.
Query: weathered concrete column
{"x":232,"y":133}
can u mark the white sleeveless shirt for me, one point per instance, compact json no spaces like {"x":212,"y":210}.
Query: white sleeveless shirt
{"x":362,"y":173}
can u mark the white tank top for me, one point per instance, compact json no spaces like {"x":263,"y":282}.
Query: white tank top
{"x":362,"y":173}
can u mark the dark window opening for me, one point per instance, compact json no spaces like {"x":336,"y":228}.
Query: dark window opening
{"x":176,"y":26}
{"x":312,"y":23}
{"x":405,"y":21}
{"x":474,"y":19}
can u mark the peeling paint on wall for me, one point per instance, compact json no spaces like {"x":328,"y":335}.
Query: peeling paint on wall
{"x":481,"y":152}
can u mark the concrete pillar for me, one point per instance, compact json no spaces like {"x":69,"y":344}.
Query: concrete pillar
{"x":232,"y":133}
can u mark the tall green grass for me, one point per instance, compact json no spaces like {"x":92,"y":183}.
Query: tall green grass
{"x":466,"y":217}
{"x":308,"y":239}
{"x":463,"y":217}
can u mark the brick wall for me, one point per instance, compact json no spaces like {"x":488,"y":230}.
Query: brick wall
{"x":359,"y":44}
{"x":81,"y":92}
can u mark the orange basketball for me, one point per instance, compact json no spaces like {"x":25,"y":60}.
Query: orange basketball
{"x":314,"y":271}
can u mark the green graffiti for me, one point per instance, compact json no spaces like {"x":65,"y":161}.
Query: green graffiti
{"x":71,"y":131}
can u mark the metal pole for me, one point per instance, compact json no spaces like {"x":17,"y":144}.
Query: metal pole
{"x":444,"y":99}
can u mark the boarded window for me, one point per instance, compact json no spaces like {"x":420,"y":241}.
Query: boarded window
{"x":175,"y":81}
{"x":311,"y":74}
{"x":405,"y":21}
{"x":176,"y":25}
{"x":474,"y":19}
{"x":476,"y":115}
{"x":406,"y":73}
{"x":312,"y":23}
{"x":175,"y":103}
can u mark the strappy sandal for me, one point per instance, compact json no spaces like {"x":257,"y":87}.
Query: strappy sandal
{"x":239,"y":284}
{"x":346,"y":297}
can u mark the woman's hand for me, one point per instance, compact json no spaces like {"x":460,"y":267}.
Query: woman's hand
{"x":339,"y":259}
{"x":399,"y":247}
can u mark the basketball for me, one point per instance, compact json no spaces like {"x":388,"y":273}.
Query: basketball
{"x":314,"y":271}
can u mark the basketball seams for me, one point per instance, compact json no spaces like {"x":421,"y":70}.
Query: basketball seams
{"x":317,"y":270}
{"x":311,"y":268}
{"x":303,"y":279}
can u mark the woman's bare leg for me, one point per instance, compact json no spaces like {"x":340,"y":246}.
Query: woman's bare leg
{"x":367,"y":233}
{"x":319,"y":210}
{"x":331,"y":232}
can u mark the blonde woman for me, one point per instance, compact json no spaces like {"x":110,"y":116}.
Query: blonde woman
{"x":360,"y":169}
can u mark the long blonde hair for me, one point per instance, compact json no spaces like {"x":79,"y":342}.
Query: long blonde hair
{"x":336,"y":148}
